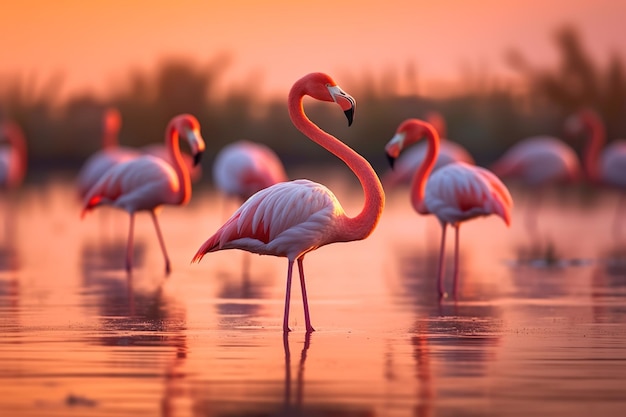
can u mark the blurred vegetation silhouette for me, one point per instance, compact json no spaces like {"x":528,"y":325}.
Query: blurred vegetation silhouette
{"x":485,"y":115}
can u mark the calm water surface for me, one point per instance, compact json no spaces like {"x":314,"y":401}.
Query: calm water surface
{"x":538,"y":327}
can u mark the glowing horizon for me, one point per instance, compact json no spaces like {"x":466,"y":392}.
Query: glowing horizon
{"x":94,"y":45}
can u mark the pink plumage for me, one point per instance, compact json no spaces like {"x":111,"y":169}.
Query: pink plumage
{"x":242,"y":168}
{"x":539,"y":161}
{"x":146,"y":182}
{"x":408,"y":162}
{"x":454,"y":193}
{"x":464,"y":191}
{"x":290,"y":219}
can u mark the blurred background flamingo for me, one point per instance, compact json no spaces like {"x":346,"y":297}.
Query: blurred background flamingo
{"x":455,"y":193}
{"x":111,"y":153}
{"x":408,"y":162}
{"x":242,"y":168}
{"x":538,"y":162}
{"x":603,"y":166}
{"x":146,"y":182}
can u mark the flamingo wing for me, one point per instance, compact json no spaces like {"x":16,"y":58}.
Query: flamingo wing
{"x":460,"y":191}
{"x":98,"y":164}
{"x":287,"y":219}
{"x":142,"y":183}
{"x":539,"y":160}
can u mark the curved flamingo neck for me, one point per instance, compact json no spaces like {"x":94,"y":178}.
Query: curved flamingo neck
{"x":172,"y":141}
{"x":597,"y":136}
{"x":110,"y":130}
{"x":362,"y":225}
{"x":418,"y":184}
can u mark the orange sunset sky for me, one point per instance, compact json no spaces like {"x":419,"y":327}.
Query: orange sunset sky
{"x":94,"y":43}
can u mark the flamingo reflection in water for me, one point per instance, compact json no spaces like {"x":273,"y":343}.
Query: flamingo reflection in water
{"x":291,"y":219}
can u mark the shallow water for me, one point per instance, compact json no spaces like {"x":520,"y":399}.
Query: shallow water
{"x":538,"y":325}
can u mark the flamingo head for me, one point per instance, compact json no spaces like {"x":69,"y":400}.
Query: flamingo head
{"x":112,"y":120}
{"x":322,"y":87}
{"x":188,"y":127}
{"x":409,"y":132}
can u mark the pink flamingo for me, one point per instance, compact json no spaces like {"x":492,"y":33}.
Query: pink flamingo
{"x":291,"y":219}
{"x":410,"y":160}
{"x":111,"y":153}
{"x":455,"y":193}
{"x":603,"y":166}
{"x":242,"y":168}
{"x":146,"y":182}
{"x":538,"y":162}
{"x":13,"y":158}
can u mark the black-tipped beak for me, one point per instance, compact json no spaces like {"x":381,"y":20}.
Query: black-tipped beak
{"x":349,"y":115}
{"x":391,"y":160}
{"x":196,"y":158}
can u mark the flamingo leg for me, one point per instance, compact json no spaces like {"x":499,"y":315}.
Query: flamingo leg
{"x":287,"y":297}
{"x":457,"y":229}
{"x":442,"y":251}
{"x":161,"y":242}
{"x":129,"y":244}
{"x":305,"y":300}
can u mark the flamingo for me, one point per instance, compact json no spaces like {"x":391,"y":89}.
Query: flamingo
{"x":146,"y":182}
{"x":538,"y":162}
{"x":111,"y":153}
{"x":242,"y":168}
{"x":291,"y":219}
{"x":410,"y":160}
{"x":455,"y":193}
{"x":13,"y":158}
{"x":604,"y":166}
